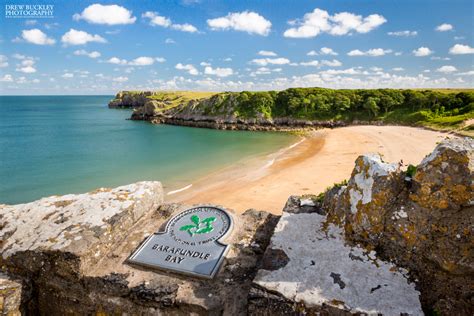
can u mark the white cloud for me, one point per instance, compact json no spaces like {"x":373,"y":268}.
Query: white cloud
{"x":313,"y":63}
{"x":264,"y":71}
{"x":142,"y":61}
{"x":20,"y":57}
{"x":157,"y":20}
{"x":189,"y":68}
{"x":186,"y":27}
{"x":457,"y":38}
{"x":139,"y":61}
{"x":398,"y":69}
{"x":6,"y":78}
{"x":120,"y":79}
{"x":444,"y":27}
{"x":403,"y":33}
{"x":67,"y":75}
{"x":467,"y":73}
{"x":228,"y":59}
{"x":376,"y":69}
{"x":327,"y":51}
{"x":272,"y":61}
{"x":319,"y":21}
{"x":374,"y":52}
{"x":75,"y":37}
{"x":460,"y":49}
{"x":203,"y":63}
{"x":170,"y":41}
{"x":331,"y":63}
{"x":83,"y":52}
{"x":446,"y":69}
{"x":261,"y":71}
{"x":349,"y":71}
{"x":106,"y":14}
{"x":422,"y":51}
{"x":322,"y":51}
{"x":246,"y":21}
{"x":117,"y":61}
{"x":36,"y":36}
{"x":439,"y":58}
{"x":267,"y":53}
{"x":3,"y":61}
{"x":27,"y":64}
{"x":220,"y":72}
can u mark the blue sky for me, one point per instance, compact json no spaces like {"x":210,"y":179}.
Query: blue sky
{"x":92,"y":47}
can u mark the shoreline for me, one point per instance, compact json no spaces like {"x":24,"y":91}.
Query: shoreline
{"x":315,"y":162}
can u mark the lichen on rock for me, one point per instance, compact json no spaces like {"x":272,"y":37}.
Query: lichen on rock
{"x":422,"y":222}
{"x":10,"y":296}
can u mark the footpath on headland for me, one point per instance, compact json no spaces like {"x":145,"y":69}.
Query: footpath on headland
{"x":325,"y":157}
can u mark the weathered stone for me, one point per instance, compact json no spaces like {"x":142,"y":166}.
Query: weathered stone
{"x":362,"y":204}
{"x":83,"y":225}
{"x":423,"y":223}
{"x":444,"y":179}
{"x":67,"y":276}
{"x":10,"y":296}
{"x":303,"y":204}
{"x":323,"y":275}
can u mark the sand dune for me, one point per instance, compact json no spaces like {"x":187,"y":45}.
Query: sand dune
{"x":311,"y":166}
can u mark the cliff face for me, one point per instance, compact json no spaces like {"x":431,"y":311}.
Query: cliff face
{"x":297,"y":108}
{"x":130,"y":99}
{"x":206,"y":110}
{"x":389,"y":242}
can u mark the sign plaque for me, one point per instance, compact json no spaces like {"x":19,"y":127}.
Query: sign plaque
{"x":190,"y":243}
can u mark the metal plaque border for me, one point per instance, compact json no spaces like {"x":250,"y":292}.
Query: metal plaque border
{"x":217,"y":266}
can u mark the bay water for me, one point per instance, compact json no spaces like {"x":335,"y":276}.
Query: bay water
{"x":52,"y":145}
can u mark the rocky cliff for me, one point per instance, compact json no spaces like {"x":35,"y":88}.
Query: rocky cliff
{"x":422,"y":220}
{"x":389,"y":242}
{"x":303,"y":108}
{"x":206,"y":110}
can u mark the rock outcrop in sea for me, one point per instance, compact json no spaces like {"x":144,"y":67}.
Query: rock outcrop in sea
{"x":389,"y":242}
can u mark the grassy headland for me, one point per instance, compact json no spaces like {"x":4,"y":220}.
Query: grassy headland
{"x":441,"y":109}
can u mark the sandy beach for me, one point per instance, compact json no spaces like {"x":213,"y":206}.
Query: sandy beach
{"x":309,"y":166}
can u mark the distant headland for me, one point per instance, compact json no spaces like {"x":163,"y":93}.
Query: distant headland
{"x":303,"y":108}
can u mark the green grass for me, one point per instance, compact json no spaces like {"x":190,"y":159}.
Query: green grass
{"x":455,"y":123}
{"x":440,"y":109}
{"x":461,"y":124}
{"x":448,"y":90}
{"x":175,"y":98}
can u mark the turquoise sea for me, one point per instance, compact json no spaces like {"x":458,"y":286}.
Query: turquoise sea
{"x":71,"y":144}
